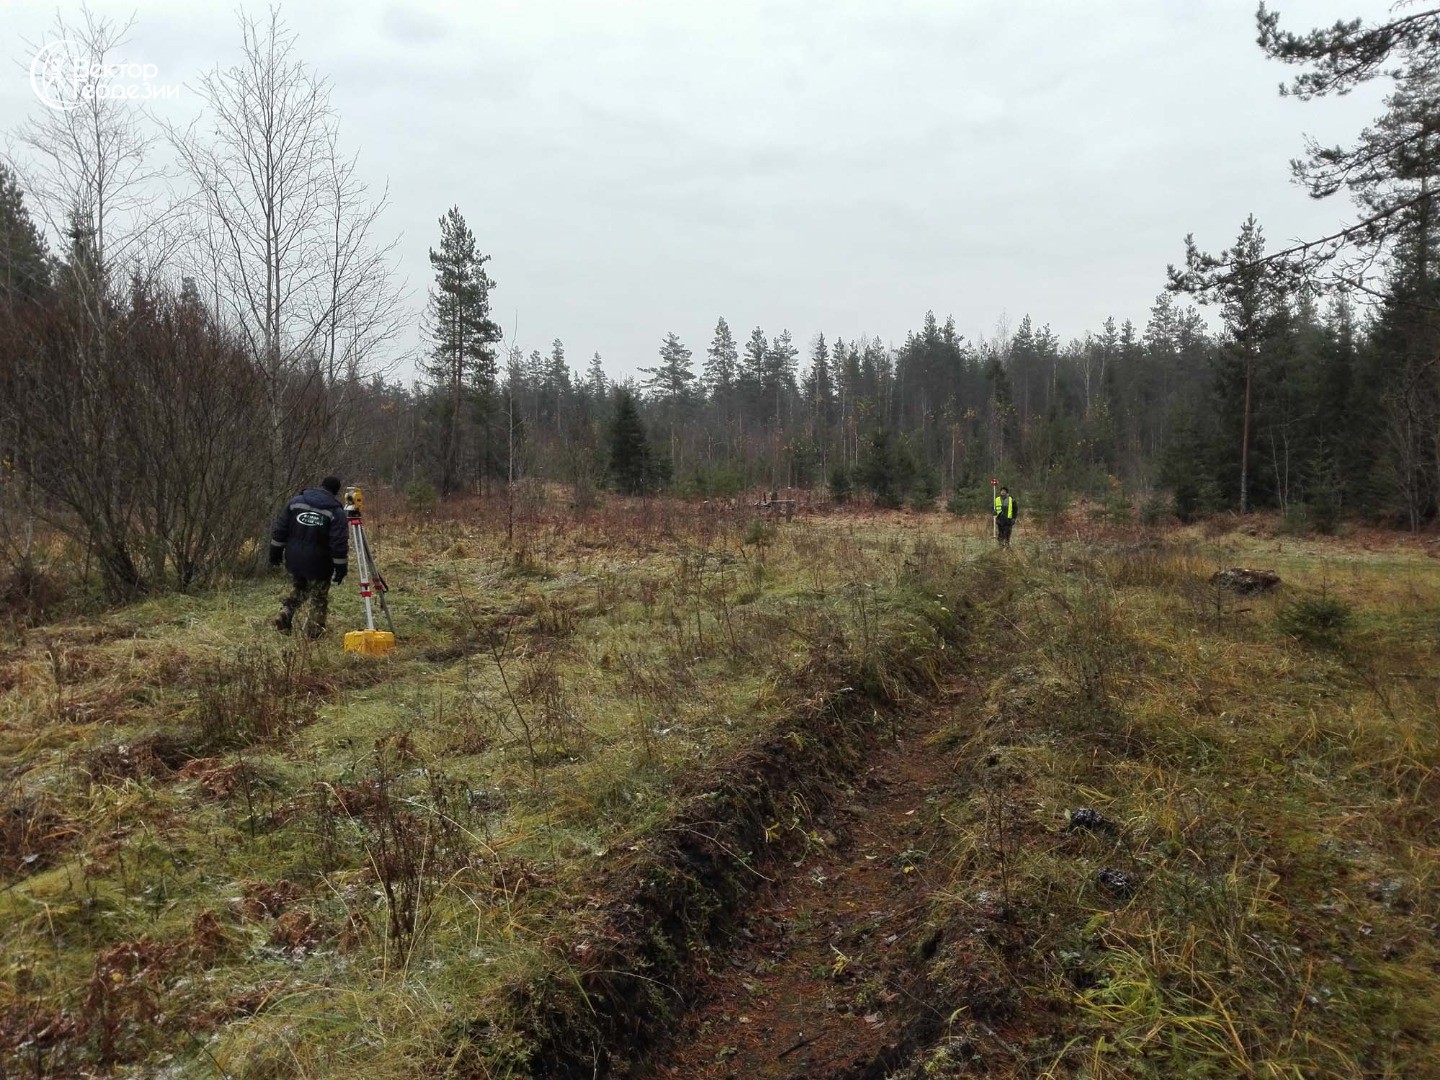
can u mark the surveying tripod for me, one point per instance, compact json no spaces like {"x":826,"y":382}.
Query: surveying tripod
{"x":369,"y":642}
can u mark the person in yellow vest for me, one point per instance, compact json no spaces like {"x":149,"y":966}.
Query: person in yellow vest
{"x":1005,"y":512}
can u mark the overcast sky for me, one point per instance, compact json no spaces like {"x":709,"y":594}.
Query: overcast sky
{"x":639,"y":167}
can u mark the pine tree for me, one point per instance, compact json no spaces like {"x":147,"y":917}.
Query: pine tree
{"x":671,"y":379}
{"x":757,"y":348}
{"x":721,"y":379}
{"x":1343,"y":441}
{"x":631,"y":466}
{"x":534,"y":369}
{"x":595,"y":380}
{"x":721,"y":362}
{"x":820,"y":392}
{"x":556,"y":384}
{"x":846,"y":369}
{"x":1004,"y":419}
{"x":1248,"y":311}
{"x":779,"y":377}
{"x":670,"y":383}
{"x":462,"y":334}
{"x":513,"y":414}
{"x":1391,"y":171}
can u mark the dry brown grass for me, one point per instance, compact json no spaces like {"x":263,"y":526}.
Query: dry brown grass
{"x":427,"y":826}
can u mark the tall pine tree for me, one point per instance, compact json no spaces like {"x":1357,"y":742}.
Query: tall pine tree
{"x":1248,"y":310}
{"x":670,"y":383}
{"x":461,"y":363}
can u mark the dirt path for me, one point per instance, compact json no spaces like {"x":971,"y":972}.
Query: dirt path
{"x":818,"y":963}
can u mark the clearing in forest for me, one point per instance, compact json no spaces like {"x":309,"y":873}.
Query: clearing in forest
{"x":663,"y":792}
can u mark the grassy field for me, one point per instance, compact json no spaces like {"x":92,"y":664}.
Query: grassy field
{"x":227,"y":853}
{"x":1260,"y":890}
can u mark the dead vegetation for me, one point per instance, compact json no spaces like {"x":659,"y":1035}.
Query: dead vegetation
{"x":1262,"y":897}
{"x":506,"y":850}
{"x":202,"y":821}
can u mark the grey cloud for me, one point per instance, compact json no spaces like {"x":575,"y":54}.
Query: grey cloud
{"x":410,"y":25}
{"x":634,"y":167}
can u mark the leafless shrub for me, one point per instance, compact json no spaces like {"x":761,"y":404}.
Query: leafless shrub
{"x":413,"y":843}
{"x":139,"y":435}
{"x":124,"y":995}
{"x":28,"y":593}
{"x":649,"y":683}
{"x":263,"y":693}
{"x":560,"y":729}
{"x":1090,"y":645}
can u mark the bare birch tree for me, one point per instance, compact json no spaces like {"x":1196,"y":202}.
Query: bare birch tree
{"x":293,"y":260}
{"x":90,"y":165}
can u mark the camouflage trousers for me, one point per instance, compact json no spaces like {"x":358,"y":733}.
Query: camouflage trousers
{"x":318,"y":593}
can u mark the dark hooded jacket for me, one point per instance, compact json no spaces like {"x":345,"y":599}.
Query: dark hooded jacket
{"x":315,"y":534}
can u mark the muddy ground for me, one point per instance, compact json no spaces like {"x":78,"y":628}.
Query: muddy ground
{"x":817,"y":982}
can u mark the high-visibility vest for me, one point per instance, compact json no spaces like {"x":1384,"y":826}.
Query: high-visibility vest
{"x":1007,"y":504}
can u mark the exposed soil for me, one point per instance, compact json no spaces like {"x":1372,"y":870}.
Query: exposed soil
{"x":816,"y":981}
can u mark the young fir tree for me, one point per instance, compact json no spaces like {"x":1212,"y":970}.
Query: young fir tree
{"x":882,"y":469}
{"x":24,"y":260}
{"x":631,"y":466}
{"x":462,"y":335}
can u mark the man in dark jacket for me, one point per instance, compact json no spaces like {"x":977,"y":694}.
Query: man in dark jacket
{"x":312,"y":535}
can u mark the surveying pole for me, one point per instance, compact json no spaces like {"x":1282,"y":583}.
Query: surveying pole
{"x":995,"y":494}
{"x":367,"y":642}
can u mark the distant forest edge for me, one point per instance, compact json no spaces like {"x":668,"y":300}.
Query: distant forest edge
{"x":169,"y":370}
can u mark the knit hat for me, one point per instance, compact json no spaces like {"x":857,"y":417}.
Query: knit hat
{"x":331,"y":484}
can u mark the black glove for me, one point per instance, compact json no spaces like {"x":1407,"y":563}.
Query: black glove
{"x":339,"y":574}
{"x":276,"y":554}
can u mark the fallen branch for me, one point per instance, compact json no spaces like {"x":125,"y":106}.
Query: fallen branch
{"x":797,"y":1046}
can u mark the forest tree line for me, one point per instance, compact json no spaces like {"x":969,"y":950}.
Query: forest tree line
{"x":1153,"y":407}
{"x":1338,"y":422}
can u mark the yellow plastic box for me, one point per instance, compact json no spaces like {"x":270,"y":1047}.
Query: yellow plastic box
{"x":370,"y":642}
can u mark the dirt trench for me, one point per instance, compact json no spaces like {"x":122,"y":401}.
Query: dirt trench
{"x":821,"y":976}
